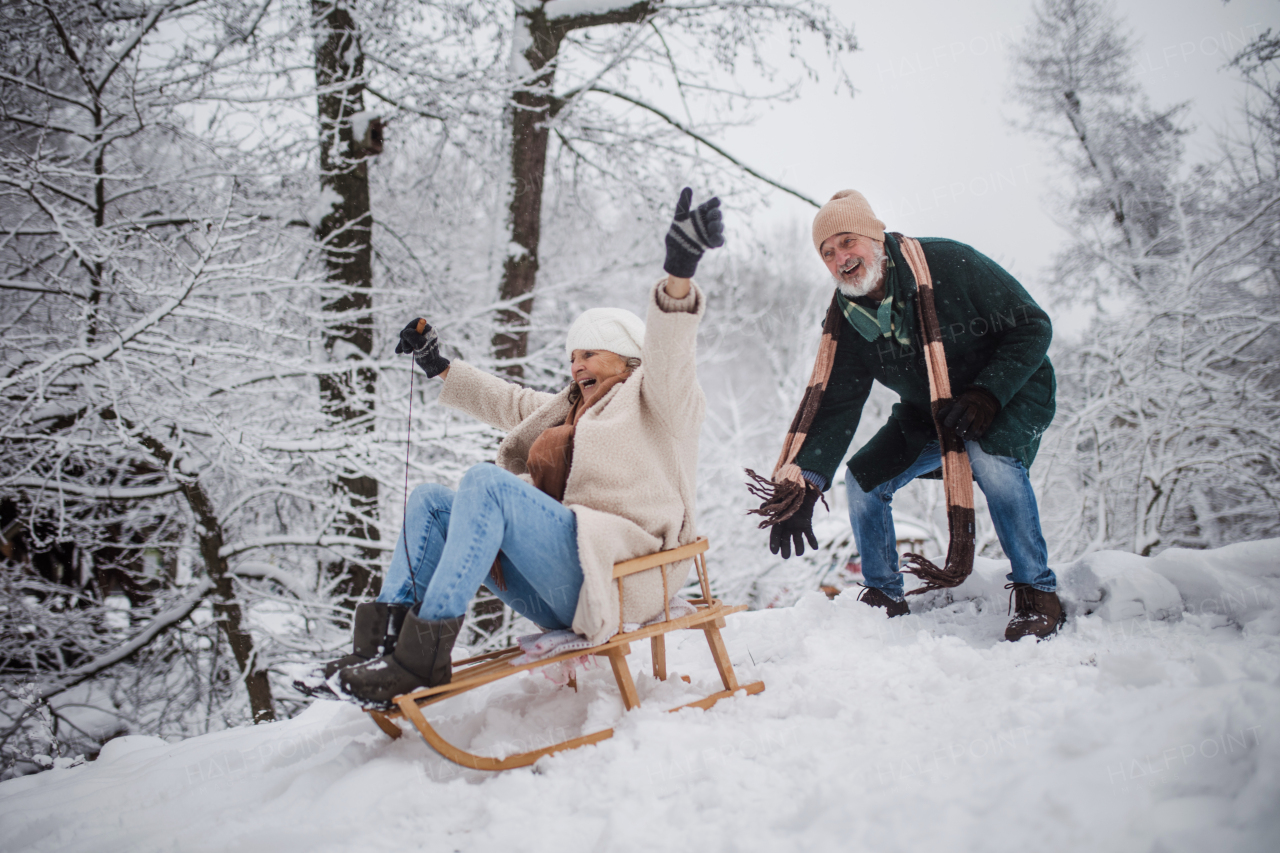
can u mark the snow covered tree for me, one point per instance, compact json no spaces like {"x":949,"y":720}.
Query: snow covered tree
{"x":123,"y":246}
{"x":348,"y":135}
{"x":1168,"y":430}
{"x":573,"y":63}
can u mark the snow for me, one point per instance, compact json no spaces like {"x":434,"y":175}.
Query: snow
{"x":161,"y":622}
{"x":521,"y":41}
{"x":1148,"y":724}
{"x":323,"y":206}
{"x":572,"y":8}
{"x":515,"y":252}
{"x":107,"y":492}
{"x":360,"y":123}
{"x":905,"y":530}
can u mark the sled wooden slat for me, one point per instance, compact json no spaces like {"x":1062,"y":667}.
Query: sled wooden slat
{"x":474,"y":672}
{"x":622,"y":672}
{"x":662,"y":558}
{"x":390,"y":728}
{"x":720,"y":654}
{"x":497,"y":665}
{"x":487,"y":656}
{"x":658,"y":649}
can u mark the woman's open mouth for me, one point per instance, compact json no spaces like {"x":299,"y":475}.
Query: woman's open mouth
{"x":586,"y":382}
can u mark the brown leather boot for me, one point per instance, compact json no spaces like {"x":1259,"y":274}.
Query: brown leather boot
{"x":879,"y":598}
{"x":374,"y":630}
{"x":1036,"y":613}
{"x":421,"y":659}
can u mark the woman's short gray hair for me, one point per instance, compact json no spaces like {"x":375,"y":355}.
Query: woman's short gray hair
{"x":633,"y":363}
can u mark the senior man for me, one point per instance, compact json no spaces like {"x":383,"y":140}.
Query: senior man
{"x":995,"y":338}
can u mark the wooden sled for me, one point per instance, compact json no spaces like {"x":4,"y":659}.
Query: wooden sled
{"x":487,"y":668}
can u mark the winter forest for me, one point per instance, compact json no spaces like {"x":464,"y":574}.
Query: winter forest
{"x":216,"y":216}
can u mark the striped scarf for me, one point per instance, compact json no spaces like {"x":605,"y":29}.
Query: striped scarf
{"x":783,"y":493}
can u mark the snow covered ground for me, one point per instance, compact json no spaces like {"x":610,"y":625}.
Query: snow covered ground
{"x":1151,"y":723}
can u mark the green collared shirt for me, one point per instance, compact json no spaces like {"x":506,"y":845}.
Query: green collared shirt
{"x":888,"y":320}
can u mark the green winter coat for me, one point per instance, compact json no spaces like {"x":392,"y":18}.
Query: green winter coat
{"x":995,"y":336}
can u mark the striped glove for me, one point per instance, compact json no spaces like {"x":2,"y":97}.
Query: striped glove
{"x":691,"y":233}
{"x":420,"y":339}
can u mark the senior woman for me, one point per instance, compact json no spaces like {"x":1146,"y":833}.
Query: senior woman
{"x":599,"y":473}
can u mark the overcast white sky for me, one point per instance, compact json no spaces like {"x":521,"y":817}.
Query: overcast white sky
{"x":928,"y":139}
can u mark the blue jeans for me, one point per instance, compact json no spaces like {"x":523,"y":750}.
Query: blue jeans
{"x":1010,"y":500}
{"x":454,"y":536}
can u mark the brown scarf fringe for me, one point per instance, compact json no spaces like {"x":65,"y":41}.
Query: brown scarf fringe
{"x":784,"y":492}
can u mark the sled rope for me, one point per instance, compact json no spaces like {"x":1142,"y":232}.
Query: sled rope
{"x":408,"y":439}
{"x":498,"y":580}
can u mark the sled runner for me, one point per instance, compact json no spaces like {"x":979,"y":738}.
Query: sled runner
{"x":709,"y":617}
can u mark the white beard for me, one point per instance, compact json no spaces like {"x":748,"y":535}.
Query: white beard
{"x":868,"y":279}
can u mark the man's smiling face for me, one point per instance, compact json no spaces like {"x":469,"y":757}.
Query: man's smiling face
{"x":855,"y":263}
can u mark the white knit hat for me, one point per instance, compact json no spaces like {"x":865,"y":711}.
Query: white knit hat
{"x":614,"y":330}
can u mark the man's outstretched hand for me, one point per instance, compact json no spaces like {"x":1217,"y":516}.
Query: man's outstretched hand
{"x":692,"y":232}
{"x":420,"y":339}
{"x":796,"y":529}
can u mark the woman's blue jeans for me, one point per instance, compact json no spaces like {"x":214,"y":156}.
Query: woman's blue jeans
{"x":453,"y":537}
{"x":1010,"y":500}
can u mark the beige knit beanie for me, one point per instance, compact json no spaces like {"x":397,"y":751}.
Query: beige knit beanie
{"x":849,"y":211}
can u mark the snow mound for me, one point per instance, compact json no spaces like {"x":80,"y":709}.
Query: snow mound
{"x":1238,"y":583}
{"x":117,"y":748}
{"x":1149,"y":723}
{"x":1117,"y":586}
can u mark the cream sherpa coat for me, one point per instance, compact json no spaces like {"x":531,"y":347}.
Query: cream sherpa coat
{"x":635,"y":457}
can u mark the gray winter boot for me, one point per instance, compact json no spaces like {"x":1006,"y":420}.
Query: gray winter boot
{"x":374,"y":631}
{"x":421,"y":659}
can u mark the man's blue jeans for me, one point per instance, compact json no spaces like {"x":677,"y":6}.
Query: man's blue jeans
{"x":454,"y":536}
{"x":1011,"y":501}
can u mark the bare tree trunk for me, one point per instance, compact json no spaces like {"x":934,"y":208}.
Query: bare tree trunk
{"x":346,"y":236}
{"x":226,"y":608}
{"x":530,"y":108}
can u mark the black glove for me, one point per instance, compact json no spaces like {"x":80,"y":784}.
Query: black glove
{"x":691,"y":233}
{"x":420,"y":339}
{"x":971,"y":414}
{"x":798,"y":528}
